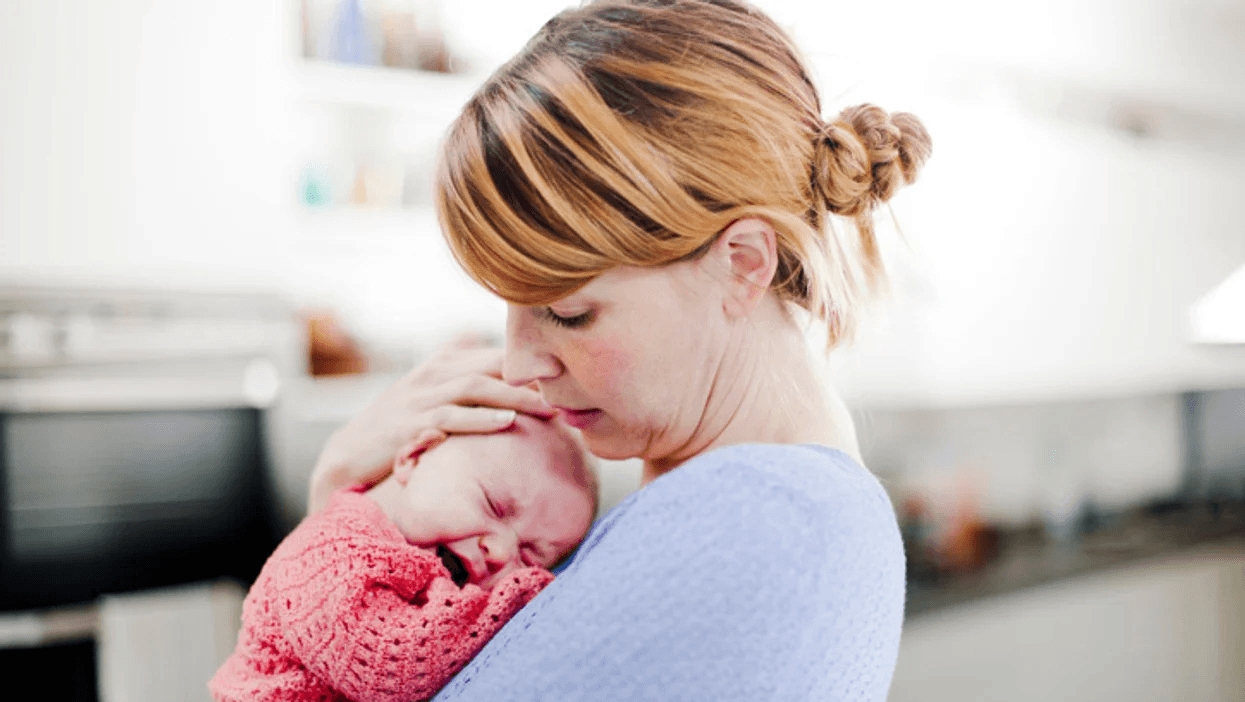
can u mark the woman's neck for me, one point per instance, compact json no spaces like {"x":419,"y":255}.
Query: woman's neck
{"x":767,"y":389}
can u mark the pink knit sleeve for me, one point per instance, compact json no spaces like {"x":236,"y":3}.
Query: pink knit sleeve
{"x":380,"y":621}
{"x":405,"y":652}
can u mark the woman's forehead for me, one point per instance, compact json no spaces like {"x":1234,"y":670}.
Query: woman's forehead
{"x":621,"y":283}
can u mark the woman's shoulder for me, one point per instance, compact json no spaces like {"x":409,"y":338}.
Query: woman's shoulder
{"x":800,"y":465}
{"x":750,"y":572}
{"x":808,"y":474}
{"x":792,"y":495}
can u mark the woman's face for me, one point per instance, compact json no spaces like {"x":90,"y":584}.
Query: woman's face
{"x":628,"y":359}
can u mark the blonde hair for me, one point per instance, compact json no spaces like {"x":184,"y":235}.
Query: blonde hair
{"x":632,"y":132}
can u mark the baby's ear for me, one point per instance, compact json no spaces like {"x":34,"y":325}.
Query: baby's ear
{"x":408,"y":455}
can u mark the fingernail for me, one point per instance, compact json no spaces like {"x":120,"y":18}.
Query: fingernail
{"x":504,"y":416}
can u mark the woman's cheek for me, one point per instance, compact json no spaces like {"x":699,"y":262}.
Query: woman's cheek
{"x":604,"y":365}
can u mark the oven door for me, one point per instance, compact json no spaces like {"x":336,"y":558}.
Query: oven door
{"x":112,"y":485}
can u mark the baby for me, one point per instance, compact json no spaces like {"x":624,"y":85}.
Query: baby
{"x":387,"y":592}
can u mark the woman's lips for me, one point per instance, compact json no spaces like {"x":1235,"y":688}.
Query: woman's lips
{"x":580,"y":419}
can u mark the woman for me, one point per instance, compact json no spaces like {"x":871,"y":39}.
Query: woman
{"x":648,"y":184}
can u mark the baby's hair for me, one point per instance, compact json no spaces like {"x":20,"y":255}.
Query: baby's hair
{"x":578,"y":463}
{"x":573,"y":458}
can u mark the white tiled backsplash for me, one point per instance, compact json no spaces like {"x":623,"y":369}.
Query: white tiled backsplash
{"x":1018,"y":460}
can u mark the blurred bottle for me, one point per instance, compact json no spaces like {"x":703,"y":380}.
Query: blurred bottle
{"x":306,"y":33}
{"x":941,"y":523}
{"x":351,"y":41}
{"x":379,"y":183}
{"x":915,"y":529}
{"x":965,"y":542}
{"x":434,"y":55}
{"x":1064,"y":495}
{"x":316,"y":188}
{"x":399,"y":34}
{"x":331,"y":349}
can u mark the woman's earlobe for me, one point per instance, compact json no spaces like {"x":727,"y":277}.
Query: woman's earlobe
{"x":749,"y":247}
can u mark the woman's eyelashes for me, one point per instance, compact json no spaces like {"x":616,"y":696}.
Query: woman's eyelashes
{"x":576,"y":322}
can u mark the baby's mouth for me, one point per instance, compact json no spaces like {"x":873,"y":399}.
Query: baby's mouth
{"x":454,"y":564}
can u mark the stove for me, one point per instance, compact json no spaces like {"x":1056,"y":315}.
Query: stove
{"x":132,"y":439}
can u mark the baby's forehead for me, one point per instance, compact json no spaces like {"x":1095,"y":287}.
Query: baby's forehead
{"x":531,"y":444}
{"x":538,"y":444}
{"x":548,"y":433}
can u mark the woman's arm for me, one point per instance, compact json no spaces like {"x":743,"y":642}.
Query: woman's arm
{"x":749,"y":573}
{"x":457,"y":391}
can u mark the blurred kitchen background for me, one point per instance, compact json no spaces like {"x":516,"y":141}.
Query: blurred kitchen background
{"x":217,"y":244}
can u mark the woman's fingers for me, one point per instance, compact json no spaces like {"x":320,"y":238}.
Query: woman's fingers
{"x":486,"y":390}
{"x":457,"y":419}
{"x":458,"y":391}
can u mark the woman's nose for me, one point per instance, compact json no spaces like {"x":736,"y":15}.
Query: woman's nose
{"x":527,"y":356}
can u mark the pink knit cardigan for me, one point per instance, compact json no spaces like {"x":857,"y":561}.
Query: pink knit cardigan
{"x":345,"y":608}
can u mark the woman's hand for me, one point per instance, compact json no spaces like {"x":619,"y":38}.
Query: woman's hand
{"x":459,"y":391}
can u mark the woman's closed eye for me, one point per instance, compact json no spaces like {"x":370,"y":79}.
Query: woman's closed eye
{"x":576,"y":322}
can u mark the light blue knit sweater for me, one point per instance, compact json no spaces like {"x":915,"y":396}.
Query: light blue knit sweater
{"x":754,"y":572}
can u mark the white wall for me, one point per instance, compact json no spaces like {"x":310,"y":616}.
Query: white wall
{"x":1050,"y":261}
{"x":149,"y":140}
{"x":156,"y":142}
{"x":141,"y":141}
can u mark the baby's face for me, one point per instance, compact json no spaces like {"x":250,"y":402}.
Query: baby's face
{"x":493,"y":503}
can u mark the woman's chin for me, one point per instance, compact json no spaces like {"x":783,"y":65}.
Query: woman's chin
{"x":612,"y":448}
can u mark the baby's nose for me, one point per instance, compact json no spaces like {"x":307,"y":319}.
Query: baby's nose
{"x":500,"y":549}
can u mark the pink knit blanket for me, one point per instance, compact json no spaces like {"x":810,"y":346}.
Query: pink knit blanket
{"x":346,"y":609}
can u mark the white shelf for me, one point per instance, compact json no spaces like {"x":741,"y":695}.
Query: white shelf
{"x":403,"y":91}
{"x":1219,"y":316}
{"x":340,"y":221}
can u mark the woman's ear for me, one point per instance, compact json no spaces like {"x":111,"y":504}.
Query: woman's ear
{"x":408,"y":455}
{"x":748,"y":250}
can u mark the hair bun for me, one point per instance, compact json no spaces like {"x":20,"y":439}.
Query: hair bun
{"x":864,"y":156}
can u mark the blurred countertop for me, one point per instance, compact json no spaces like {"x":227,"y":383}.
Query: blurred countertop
{"x":1027,"y":558}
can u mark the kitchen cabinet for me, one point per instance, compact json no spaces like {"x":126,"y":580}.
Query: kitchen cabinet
{"x":1167,"y":629}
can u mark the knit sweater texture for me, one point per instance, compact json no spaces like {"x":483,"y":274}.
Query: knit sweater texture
{"x":752,"y":572}
{"x":346,"y":609}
